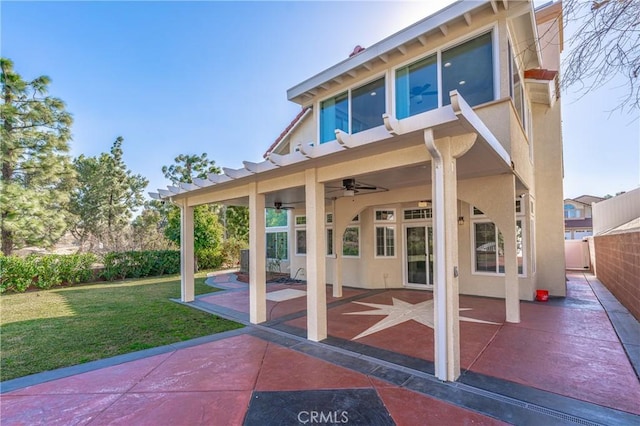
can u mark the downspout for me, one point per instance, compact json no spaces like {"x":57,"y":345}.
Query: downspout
{"x":440,"y":284}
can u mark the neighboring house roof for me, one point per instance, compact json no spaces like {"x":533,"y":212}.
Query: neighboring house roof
{"x":286,"y":131}
{"x":588,"y":199}
{"x":578,"y":223}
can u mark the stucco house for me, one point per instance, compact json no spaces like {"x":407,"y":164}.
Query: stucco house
{"x":430,"y":160}
{"x":578,"y":218}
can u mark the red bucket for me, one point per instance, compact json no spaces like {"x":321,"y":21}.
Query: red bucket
{"x":542,"y":295}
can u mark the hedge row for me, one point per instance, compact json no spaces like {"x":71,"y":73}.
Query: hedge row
{"x":17,"y":274}
{"x":137,"y":264}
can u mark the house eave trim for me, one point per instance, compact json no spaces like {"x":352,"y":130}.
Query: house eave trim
{"x":387,"y":45}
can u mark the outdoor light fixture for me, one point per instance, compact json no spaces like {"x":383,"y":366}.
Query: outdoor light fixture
{"x":460,"y":220}
{"x":424,"y":203}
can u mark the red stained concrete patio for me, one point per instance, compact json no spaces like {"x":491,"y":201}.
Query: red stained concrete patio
{"x":567,"y":348}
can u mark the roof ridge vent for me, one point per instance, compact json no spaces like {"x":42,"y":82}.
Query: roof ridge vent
{"x":356,"y":50}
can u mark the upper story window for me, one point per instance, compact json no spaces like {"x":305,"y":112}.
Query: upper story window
{"x":275,"y":218}
{"x":467,"y":68}
{"x":516,"y":89}
{"x":570,"y":212}
{"x":353,"y":111}
{"x":417,"y":87}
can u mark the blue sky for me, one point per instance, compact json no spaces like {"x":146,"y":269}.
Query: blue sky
{"x":193,"y":77}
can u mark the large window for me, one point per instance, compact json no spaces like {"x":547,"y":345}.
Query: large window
{"x":417,"y":87}
{"x":277,"y":245}
{"x":468,"y":68}
{"x":351,"y":242}
{"x":385,"y":234}
{"x":385,"y":241}
{"x":276,"y":222}
{"x":489,"y":248}
{"x":353,"y":111}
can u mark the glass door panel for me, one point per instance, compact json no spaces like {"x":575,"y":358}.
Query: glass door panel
{"x":416,"y":255}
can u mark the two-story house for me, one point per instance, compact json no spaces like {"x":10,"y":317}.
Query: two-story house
{"x":578,"y":220}
{"x":430,"y":160}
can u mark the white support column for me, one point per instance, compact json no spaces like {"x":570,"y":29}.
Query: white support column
{"x":508,"y":229}
{"x":337,"y":244}
{"x":187,"y":258}
{"x":316,"y":263}
{"x":257,"y":257}
{"x":445,"y":208}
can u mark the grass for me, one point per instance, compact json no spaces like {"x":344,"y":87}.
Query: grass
{"x":44,"y":330}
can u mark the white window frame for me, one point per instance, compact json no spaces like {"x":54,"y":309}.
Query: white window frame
{"x":382,"y":210}
{"x":495,"y":52}
{"x":329,"y":218}
{"x":278,"y":230}
{"x":302,"y":218}
{"x":300,"y":227}
{"x":359,"y":243}
{"x":428,"y":214}
{"x":348,"y":90}
{"x":331,"y":246}
{"x":386,"y":255}
{"x":482,"y":218}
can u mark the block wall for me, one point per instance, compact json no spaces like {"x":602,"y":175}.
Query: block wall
{"x":618,"y":267}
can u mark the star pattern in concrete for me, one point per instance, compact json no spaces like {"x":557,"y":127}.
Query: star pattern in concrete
{"x":401,"y":311}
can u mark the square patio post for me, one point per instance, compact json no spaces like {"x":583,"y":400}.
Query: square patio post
{"x":445,"y":218}
{"x":508,"y":230}
{"x":187,"y":258}
{"x":316,"y":262}
{"x":257,"y":257}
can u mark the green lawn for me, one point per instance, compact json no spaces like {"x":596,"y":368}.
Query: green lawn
{"x":50,"y":329}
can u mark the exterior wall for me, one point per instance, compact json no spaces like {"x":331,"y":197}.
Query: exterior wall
{"x":484,"y":284}
{"x":550,"y":31}
{"x":616,"y":211}
{"x":511,"y":136}
{"x":548,"y":198}
{"x":618,"y":266}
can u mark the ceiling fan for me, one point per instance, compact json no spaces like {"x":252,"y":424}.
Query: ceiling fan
{"x":279,"y":206}
{"x":350,"y":187}
{"x":418,"y":92}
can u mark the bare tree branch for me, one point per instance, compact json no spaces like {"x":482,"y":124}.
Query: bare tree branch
{"x":605,"y":45}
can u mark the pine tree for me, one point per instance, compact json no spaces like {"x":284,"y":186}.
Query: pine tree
{"x":36,"y":171}
{"x":106,"y":197}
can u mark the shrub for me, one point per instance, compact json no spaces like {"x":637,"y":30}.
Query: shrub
{"x":18,"y":274}
{"x":209,"y":258}
{"x":231,"y":252}
{"x":137,"y":264}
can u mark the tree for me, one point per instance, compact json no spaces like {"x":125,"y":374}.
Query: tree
{"x":36,"y":171}
{"x":187,"y":167}
{"x":147,"y":232}
{"x":106,"y":197}
{"x":237,"y":223}
{"x":606,"y":44}
{"x":207,"y":229}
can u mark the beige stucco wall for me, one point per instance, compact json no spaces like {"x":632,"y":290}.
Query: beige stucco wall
{"x":548,"y":198}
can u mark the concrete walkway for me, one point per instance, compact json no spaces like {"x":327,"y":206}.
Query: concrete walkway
{"x":563,"y":364}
